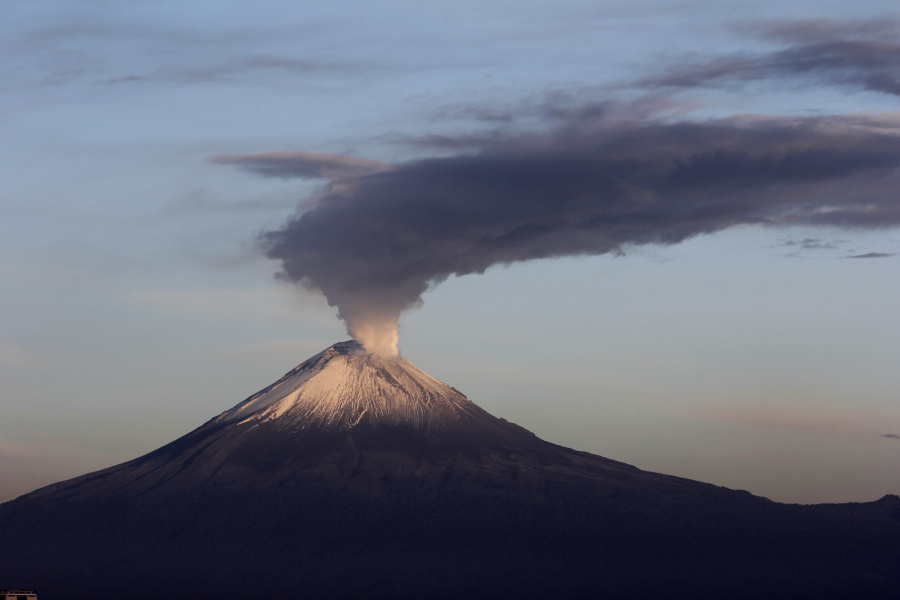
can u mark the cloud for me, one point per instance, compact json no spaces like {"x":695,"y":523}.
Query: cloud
{"x":860,"y":54}
{"x":809,"y":244}
{"x":121,"y":49}
{"x":827,"y":420}
{"x":267,"y":64}
{"x":557,"y":107}
{"x":816,"y":245}
{"x":125,"y":79}
{"x":304,"y":164}
{"x":819,"y":30}
{"x":871,"y":255}
{"x":377,"y":237}
{"x":892,"y":436}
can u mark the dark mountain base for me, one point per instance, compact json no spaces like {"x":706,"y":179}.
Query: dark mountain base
{"x":305,"y":541}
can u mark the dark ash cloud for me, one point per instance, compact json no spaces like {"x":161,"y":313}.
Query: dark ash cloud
{"x":374,"y":242}
{"x":892,"y":436}
{"x":861,"y":54}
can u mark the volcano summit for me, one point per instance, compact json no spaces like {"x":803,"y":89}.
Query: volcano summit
{"x":361,"y":476}
{"x":345,"y":387}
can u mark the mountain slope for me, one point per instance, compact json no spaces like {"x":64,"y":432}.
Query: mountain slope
{"x":357,"y":476}
{"x":344,"y":386}
{"x":344,"y":413}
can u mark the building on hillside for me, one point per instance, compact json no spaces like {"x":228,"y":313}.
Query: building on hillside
{"x":18,"y":595}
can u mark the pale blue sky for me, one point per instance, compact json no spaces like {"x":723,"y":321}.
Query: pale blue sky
{"x":136,"y":305}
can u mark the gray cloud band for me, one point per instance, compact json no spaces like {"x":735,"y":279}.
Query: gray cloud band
{"x":860,"y":54}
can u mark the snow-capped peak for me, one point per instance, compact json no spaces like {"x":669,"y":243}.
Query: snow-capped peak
{"x":345,"y":386}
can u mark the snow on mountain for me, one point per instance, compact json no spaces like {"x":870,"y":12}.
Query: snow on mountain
{"x":344,"y":386}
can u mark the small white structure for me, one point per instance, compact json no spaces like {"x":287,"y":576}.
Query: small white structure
{"x":17,"y":595}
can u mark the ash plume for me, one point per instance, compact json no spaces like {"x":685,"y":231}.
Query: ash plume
{"x":376,"y":239}
{"x":594,"y":176}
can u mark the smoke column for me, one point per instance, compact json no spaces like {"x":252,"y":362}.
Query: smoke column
{"x":378,"y":236}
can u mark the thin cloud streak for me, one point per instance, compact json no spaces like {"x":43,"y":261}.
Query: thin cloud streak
{"x":115,"y":53}
{"x":872,"y":255}
{"x":833,"y":421}
{"x":304,"y":164}
{"x":861,"y":54}
{"x":809,"y":244}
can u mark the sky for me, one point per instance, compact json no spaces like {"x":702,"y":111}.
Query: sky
{"x":662,"y":232}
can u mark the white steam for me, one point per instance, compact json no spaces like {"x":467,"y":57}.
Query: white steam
{"x":377,"y":336}
{"x":372,"y":318}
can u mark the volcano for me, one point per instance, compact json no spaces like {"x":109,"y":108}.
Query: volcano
{"x":361,"y":476}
